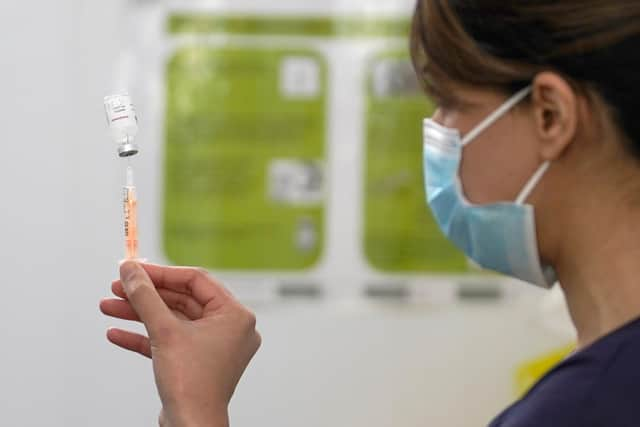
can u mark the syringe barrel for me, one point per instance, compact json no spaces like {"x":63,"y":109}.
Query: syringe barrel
{"x":130,"y":222}
{"x":123,"y":122}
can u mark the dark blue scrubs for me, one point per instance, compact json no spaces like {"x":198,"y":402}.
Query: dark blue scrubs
{"x":598,"y":386}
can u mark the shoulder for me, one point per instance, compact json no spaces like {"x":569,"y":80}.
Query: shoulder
{"x":615,"y":397}
{"x":598,"y":387}
{"x":558,"y":400}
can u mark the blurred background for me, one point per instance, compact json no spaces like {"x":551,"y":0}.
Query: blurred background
{"x":281,"y":149}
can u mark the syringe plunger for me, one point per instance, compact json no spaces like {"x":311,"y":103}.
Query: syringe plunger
{"x":129,"y":176}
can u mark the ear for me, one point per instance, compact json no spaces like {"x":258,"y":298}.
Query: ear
{"x":555,"y":108}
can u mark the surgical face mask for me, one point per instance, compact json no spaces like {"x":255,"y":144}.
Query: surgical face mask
{"x":500,"y":236}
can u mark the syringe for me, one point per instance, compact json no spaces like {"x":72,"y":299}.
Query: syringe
{"x":123,"y":123}
{"x":130,"y":217}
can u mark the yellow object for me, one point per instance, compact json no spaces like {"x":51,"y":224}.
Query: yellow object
{"x":130,"y":217}
{"x":531,"y":372}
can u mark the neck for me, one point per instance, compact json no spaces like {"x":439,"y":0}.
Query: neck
{"x":599,"y":270}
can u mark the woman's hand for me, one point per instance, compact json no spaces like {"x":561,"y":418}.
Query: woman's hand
{"x":200,"y":338}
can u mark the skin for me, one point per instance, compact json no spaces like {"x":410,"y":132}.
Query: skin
{"x":200,"y":339}
{"x":587,"y":206}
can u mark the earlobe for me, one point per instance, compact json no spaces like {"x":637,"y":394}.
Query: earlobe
{"x":555,"y":108}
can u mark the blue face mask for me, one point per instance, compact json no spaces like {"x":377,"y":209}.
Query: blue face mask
{"x":499,"y":237}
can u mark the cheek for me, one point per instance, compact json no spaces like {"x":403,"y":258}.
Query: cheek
{"x":497,"y":165}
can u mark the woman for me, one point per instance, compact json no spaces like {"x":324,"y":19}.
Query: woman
{"x":532,"y":167}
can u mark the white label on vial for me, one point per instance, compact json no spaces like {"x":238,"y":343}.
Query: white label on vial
{"x":120,"y":108}
{"x":122,"y":120}
{"x":296,"y":182}
{"x":299,"y":77}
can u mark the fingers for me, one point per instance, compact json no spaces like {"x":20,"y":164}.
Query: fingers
{"x":121,"y":309}
{"x":190,"y":281}
{"x":117,"y":289}
{"x":176,"y":301}
{"x":118,"y":308}
{"x":130,"y":341}
{"x":145,"y":300}
{"x":181,"y":303}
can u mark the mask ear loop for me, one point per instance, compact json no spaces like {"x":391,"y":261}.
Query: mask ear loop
{"x":493,"y":117}
{"x":533,"y":182}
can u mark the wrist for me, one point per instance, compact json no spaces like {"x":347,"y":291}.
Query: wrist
{"x":205,"y":417}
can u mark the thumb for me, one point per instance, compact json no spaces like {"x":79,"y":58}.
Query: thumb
{"x":144,"y":298}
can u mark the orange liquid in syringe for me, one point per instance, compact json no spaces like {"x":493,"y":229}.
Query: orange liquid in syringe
{"x":131,"y":223}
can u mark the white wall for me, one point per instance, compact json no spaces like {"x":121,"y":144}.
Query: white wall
{"x":338,"y":364}
{"x":34,"y":280}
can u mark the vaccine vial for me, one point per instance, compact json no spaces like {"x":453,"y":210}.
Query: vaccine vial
{"x":123,"y":123}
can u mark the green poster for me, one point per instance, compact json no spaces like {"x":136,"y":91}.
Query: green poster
{"x":361,"y":27}
{"x":244,"y":157}
{"x":400,"y":233}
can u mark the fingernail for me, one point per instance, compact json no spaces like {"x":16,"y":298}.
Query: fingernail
{"x":129,"y":271}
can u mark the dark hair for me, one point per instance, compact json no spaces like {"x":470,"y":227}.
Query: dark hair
{"x":594,"y":44}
